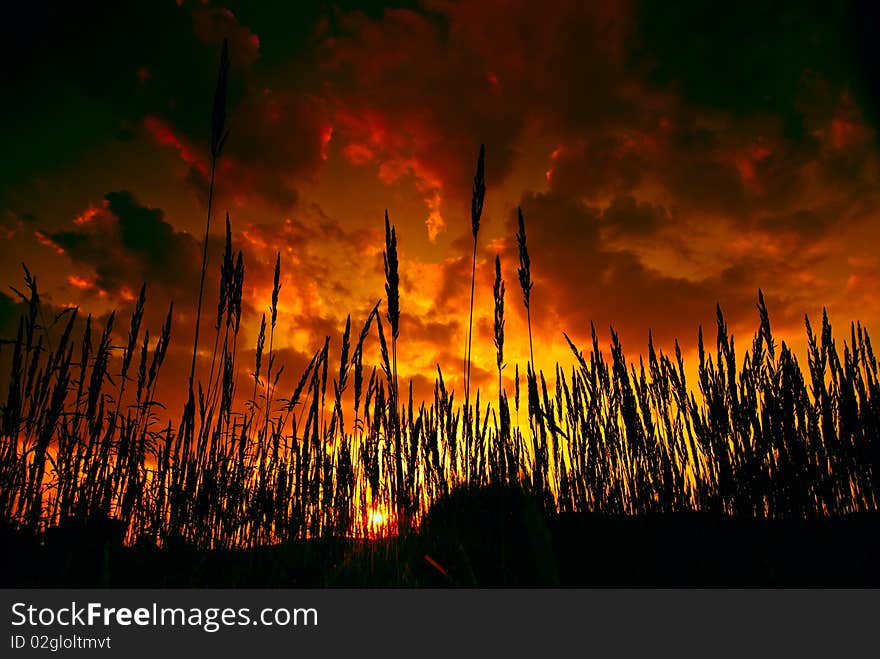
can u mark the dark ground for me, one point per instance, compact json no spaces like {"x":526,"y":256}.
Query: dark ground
{"x":494,"y":538}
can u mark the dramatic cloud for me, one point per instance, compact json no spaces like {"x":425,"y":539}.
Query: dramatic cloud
{"x":125,"y":242}
{"x":667,"y":156}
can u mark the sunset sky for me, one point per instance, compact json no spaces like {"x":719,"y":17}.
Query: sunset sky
{"x":667,"y":156}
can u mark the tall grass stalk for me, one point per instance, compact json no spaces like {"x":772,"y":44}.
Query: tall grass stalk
{"x":478,"y":197}
{"x":392,"y":291}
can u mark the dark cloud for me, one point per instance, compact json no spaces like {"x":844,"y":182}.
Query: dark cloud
{"x":11,"y":223}
{"x":578,"y":280}
{"x":114,"y":66}
{"x":744,"y":57}
{"x":280,"y":139}
{"x":596,"y":167}
{"x":73,"y":71}
{"x":627,"y":216}
{"x":212,"y":25}
{"x":126,"y":243}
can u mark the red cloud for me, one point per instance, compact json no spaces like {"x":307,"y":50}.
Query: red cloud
{"x":164,"y":135}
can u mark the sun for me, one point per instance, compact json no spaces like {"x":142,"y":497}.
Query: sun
{"x":376,"y":517}
{"x":379,"y":520}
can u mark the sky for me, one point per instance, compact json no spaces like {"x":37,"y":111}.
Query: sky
{"x":667,"y":157}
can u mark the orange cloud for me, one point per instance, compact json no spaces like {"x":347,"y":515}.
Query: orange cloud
{"x":47,"y":241}
{"x":80,"y":282}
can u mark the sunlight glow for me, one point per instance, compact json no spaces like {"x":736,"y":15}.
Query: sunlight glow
{"x":379,"y":521}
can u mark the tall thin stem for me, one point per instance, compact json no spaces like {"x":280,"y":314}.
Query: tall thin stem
{"x":192,"y":369}
{"x":477,"y":199}
{"x":467,"y":358}
{"x":218,"y":139}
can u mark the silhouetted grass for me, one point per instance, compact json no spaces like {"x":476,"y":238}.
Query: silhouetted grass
{"x":81,"y":447}
{"x":757,"y":439}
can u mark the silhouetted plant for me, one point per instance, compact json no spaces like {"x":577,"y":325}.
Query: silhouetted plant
{"x":81,"y":437}
{"x":477,"y":199}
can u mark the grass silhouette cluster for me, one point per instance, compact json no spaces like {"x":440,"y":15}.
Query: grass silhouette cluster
{"x":758,"y":436}
{"x":758,"y":439}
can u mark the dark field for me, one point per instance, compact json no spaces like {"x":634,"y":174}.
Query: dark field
{"x":479,"y":546}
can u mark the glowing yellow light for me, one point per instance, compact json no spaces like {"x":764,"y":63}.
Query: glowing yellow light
{"x":377,"y":517}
